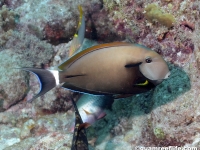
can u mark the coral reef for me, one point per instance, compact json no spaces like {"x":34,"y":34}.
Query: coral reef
{"x":13,"y":84}
{"x":8,"y":21}
{"x":32,"y":51}
{"x":38,"y":34}
{"x":53,"y":21}
{"x":50,"y":131}
{"x":13,"y":4}
{"x":55,"y":32}
{"x":21,"y":50}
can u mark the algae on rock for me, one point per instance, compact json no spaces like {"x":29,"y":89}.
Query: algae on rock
{"x":154,"y":14}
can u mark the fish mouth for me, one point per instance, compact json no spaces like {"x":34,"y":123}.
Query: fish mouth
{"x":156,"y":82}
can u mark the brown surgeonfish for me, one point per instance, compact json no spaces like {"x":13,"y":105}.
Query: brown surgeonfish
{"x":107,"y":69}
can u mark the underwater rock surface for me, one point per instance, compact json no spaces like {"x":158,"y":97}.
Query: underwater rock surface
{"x":38,"y":34}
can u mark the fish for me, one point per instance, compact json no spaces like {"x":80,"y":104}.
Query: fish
{"x":88,"y":110}
{"x":116,"y":68}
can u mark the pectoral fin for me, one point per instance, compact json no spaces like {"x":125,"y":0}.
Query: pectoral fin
{"x":102,"y":115}
{"x":142,"y":83}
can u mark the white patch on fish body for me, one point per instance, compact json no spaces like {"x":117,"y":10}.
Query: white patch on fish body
{"x":56,"y":75}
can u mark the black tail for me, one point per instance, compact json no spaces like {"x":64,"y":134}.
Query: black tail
{"x":46,"y":79}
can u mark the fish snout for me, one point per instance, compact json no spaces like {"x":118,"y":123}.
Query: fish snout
{"x":155,"y":71}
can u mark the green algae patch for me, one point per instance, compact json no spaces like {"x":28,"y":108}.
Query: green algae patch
{"x":159,"y":133}
{"x":154,"y":14}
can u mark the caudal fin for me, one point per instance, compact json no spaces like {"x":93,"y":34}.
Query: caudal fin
{"x":46,"y":79}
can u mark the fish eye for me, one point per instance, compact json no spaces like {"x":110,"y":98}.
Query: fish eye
{"x":148,"y":60}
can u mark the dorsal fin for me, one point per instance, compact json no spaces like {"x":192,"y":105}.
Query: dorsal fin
{"x":79,"y":35}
